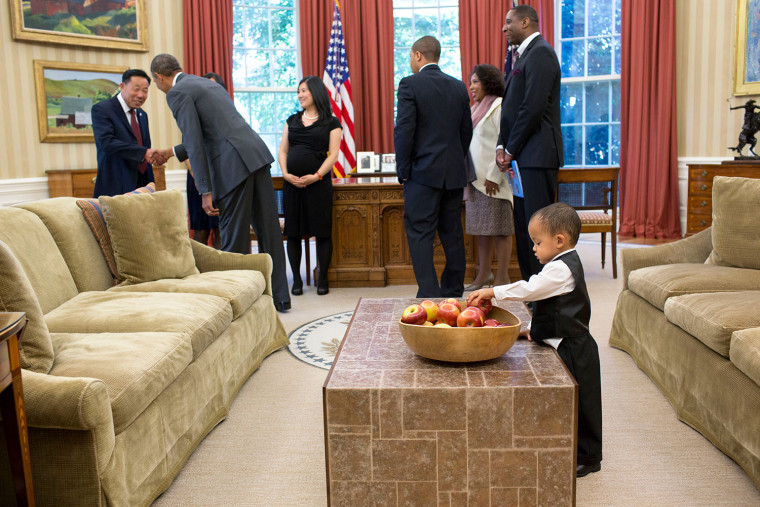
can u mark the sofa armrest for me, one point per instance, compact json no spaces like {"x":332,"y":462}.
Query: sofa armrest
{"x":210,"y":259}
{"x":71,"y":403}
{"x":694,"y":249}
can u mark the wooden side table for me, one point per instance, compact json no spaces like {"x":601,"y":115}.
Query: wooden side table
{"x":12,"y":406}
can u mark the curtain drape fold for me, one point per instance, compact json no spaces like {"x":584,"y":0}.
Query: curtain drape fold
{"x":480,"y":37}
{"x":649,"y":205}
{"x":207,"y":26}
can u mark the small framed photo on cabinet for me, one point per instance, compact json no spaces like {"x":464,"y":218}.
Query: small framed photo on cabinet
{"x":366,"y":162}
{"x":388,"y":163}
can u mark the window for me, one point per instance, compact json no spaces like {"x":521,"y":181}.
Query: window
{"x":265,"y":66}
{"x":588,"y":47}
{"x":413,"y":19}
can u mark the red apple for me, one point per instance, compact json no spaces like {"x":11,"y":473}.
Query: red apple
{"x":448,"y":313}
{"x":470,"y":317}
{"x":453,"y":301}
{"x":480,"y":311}
{"x":431,"y":308}
{"x":414,"y":314}
{"x":485,"y":305}
{"x":491,"y":323}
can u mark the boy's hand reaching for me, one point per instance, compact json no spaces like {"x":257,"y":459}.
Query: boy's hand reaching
{"x":476,"y":296}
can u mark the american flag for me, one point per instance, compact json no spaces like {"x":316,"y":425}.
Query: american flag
{"x":338,"y":85}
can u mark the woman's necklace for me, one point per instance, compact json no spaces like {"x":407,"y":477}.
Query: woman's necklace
{"x":310,"y":117}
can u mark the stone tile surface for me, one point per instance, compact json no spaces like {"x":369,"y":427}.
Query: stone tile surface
{"x":405,"y":430}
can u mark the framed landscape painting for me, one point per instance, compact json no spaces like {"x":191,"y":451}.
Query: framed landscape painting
{"x":66,"y":93}
{"x":747,"y":51}
{"x":113,"y":24}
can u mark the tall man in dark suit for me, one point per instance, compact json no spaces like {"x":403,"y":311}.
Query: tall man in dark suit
{"x":230,"y":163}
{"x":432,"y":135}
{"x":122,"y":138}
{"x":530,"y":126}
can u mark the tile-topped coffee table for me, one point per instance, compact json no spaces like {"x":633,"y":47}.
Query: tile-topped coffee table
{"x":404,"y":430}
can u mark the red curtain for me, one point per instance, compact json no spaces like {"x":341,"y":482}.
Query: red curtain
{"x":368,"y":35}
{"x":480,"y":37}
{"x":648,"y":146}
{"x":545,"y":10}
{"x":207,"y":26}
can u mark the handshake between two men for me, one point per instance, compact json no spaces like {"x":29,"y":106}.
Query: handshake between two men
{"x":158,"y":157}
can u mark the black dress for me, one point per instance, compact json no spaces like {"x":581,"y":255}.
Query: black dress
{"x":308,"y":211}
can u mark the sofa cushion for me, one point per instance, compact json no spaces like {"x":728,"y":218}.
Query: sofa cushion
{"x":149,"y":236}
{"x":17,"y":295}
{"x":735,"y":235}
{"x":241,"y":287}
{"x":658,"y":283}
{"x":93,"y":215}
{"x":36,"y":251}
{"x":202,"y":318}
{"x":745,"y":352}
{"x":136,"y":367}
{"x":64,"y":220}
{"x":711,"y":318}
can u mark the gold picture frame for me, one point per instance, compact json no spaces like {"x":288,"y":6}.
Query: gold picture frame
{"x":81,"y":25}
{"x":746,"y":55}
{"x":66,"y":93}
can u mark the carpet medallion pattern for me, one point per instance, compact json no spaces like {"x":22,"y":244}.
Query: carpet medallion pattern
{"x":317,"y":342}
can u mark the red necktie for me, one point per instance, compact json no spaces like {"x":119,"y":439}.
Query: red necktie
{"x":136,"y":129}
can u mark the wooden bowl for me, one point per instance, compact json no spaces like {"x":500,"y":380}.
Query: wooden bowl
{"x":463,"y":344}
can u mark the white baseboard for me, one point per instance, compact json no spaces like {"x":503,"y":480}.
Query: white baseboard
{"x":21,"y":190}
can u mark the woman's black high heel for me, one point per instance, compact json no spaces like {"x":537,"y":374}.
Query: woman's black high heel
{"x":297,"y":289}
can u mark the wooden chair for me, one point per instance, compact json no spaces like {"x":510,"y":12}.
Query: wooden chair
{"x":597,"y":216}
{"x":277,"y":184}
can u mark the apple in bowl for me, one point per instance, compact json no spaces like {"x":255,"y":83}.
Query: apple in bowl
{"x":448,"y":313}
{"x":470,"y":317}
{"x":432,"y":310}
{"x":414,"y":314}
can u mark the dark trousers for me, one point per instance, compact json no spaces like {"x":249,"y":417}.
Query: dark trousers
{"x":252,"y":203}
{"x":581,"y":356}
{"x":539,"y":189}
{"x":427,"y":210}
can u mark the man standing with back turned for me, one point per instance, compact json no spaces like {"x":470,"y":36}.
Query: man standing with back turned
{"x":230,"y":163}
{"x":432,"y":135}
{"x":530,"y":126}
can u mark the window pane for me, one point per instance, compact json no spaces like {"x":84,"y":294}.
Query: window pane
{"x":287,"y":104}
{"x":402,"y":28}
{"x":616,"y":54}
{"x":617,"y":12}
{"x":282,"y":3}
{"x":615,"y":147}
{"x":573,"y":18}
{"x":285,"y":68}
{"x":597,"y":145}
{"x":251,"y":2}
{"x":573,"y":56}
{"x":572,"y":145}
{"x":615,"y":90}
{"x":450,"y":26}
{"x":262,"y":113}
{"x":401,"y":3}
{"x":283,"y":28}
{"x":256,"y":28}
{"x":425,"y":3}
{"x":599,"y":17}
{"x":243,"y":104}
{"x":597,"y":102}
{"x":571,"y":103}
{"x":600,"y":56}
{"x":450,"y":62}
{"x":238,"y":68}
{"x":238,"y":19}
{"x":257,"y":68}
{"x":425,"y":22}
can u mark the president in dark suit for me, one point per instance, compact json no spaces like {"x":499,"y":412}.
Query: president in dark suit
{"x":122,"y":138}
{"x":230,"y":164}
{"x":530,"y":126}
{"x":432,"y":135}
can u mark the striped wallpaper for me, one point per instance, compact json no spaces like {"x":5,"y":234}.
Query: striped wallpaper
{"x":705,"y":44}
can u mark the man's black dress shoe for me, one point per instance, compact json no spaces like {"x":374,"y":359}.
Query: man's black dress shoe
{"x":297,"y":289}
{"x":321,"y":291}
{"x":282,"y":306}
{"x":584,"y":470}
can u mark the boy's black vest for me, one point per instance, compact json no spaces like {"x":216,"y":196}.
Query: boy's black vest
{"x":565,"y":316}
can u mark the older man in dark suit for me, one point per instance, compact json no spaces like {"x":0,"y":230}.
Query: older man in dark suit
{"x":122,"y":138}
{"x":432,"y":134}
{"x":230,"y":164}
{"x":530,"y":125}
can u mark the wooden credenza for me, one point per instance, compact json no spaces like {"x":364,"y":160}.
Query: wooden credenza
{"x":699,"y":208}
{"x":369,"y":239}
{"x":81,"y":182}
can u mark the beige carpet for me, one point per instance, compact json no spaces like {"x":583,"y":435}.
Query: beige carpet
{"x":270,"y":450}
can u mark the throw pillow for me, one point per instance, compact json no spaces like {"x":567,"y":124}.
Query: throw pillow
{"x":149,"y":236}
{"x":735,"y":234}
{"x":93,"y":215}
{"x":17,"y":295}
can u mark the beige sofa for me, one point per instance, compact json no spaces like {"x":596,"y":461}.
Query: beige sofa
{"x":689,"y":315}
{"x":122,"y":383}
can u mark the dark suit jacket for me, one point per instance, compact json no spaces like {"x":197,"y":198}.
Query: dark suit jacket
{"x":223,"y":149}
{"x":119,"y":155}
{"x":530,"y":111}
{"x":433,"y":129}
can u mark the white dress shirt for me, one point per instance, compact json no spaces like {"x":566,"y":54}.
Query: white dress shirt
{"x":555,"y":279}
{"x":127,"y":109}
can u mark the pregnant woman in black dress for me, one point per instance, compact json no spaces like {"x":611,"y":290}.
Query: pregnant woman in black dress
{"x":308,"y":151}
